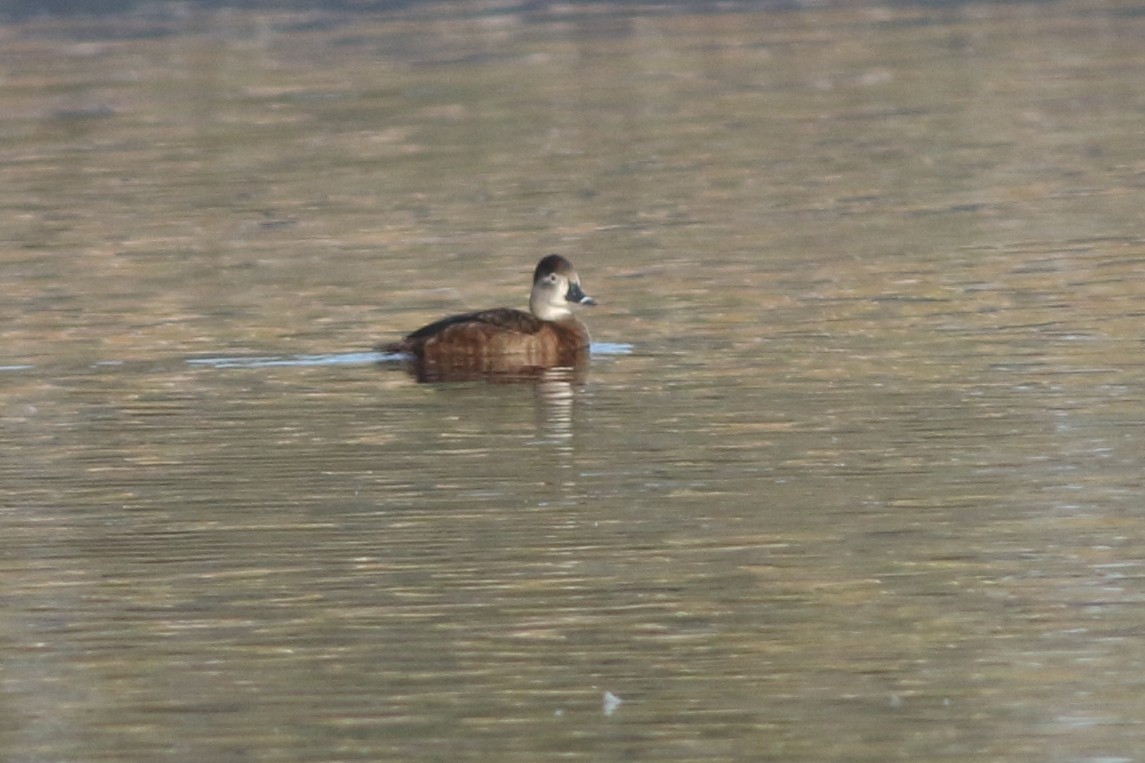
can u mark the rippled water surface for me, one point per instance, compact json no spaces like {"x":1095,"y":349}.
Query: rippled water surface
{"x":855,"y":474}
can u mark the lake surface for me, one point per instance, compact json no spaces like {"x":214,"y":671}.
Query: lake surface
{"x":857,"y":471}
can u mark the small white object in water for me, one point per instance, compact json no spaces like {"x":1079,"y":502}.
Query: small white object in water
{"x":611,"y":702}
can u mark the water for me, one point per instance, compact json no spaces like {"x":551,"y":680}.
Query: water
{"x":855,"y":472}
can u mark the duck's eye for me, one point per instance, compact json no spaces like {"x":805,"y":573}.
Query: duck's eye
{"x":551,"y":278}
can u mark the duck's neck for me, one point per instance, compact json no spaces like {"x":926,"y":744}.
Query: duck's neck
{"x":547,"y":311}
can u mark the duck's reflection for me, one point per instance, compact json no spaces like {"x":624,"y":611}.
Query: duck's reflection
{"x":572,"y":368}
{"x":555,"y":396}
{"x":555,"y":389}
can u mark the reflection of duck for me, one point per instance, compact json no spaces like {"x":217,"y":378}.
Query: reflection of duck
{"x":504,"y":342}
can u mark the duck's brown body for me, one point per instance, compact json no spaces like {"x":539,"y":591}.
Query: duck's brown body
{"x":504,"y":340}
{"x":498,"y":333}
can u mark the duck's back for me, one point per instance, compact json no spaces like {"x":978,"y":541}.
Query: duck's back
{"x":501,"y":331}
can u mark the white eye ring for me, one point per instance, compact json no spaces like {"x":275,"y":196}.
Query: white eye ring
{"x":551,"y":278}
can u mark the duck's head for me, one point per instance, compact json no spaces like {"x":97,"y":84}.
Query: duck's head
{"x":556,"y":286}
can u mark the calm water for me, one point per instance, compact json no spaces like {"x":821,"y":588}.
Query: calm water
{"x":856,"y":474}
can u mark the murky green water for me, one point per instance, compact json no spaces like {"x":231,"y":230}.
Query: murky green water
{"x":856,"y":473}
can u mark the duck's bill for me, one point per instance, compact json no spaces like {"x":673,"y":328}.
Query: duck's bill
{"x":577,"y":296}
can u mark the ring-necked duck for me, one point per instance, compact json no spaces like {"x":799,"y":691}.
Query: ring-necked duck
{"x":551,"y":336}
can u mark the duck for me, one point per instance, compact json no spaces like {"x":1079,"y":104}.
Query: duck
{"x":501,"y":338}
